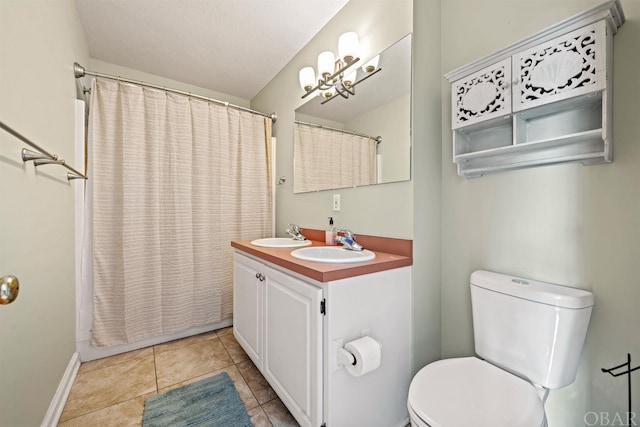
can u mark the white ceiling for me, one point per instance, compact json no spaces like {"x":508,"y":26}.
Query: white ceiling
{"x":230,"y":46}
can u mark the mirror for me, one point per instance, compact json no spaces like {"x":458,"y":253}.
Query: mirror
{"x":335,"y":143}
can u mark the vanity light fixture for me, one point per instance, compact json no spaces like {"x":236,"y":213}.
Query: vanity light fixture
{"x":335,"y":76}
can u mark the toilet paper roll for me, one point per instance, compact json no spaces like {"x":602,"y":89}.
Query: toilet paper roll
{"x":367,"y":353}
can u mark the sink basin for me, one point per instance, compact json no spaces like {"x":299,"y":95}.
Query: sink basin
{"x":332,"y":254}
{"x":280,"y":242}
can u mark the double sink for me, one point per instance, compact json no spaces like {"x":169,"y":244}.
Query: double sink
{"x":326,"y":254}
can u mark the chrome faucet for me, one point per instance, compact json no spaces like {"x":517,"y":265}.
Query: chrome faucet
{"x":348,"y":240}
{"x":294,"y":231}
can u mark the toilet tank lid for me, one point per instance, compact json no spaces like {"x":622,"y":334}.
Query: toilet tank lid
{"x":532,"y":290}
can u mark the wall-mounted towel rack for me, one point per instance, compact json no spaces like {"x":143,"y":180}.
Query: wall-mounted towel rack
{"x":42,"y":156}
{"x":626,"y":370}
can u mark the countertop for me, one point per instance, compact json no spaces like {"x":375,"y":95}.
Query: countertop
{"x":326,"y":272}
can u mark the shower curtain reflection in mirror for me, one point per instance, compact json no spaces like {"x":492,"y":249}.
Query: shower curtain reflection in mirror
{"x":329,"y":158}
{"x":174,"y":180}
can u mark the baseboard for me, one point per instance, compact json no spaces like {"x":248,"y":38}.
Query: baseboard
{"x":62,"y":393}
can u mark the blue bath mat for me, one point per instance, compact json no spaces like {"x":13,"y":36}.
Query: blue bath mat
{"x":212,"y":401}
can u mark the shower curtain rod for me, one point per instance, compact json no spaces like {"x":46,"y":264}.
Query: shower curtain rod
{"x":79,"y":71}
{"x":378,"y":138}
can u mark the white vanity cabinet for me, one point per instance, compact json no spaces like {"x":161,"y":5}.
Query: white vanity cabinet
{"x":278,"y":321}
{"x":544,"y":100}
{"x":292,"y":327}
{"x":248,"y":296}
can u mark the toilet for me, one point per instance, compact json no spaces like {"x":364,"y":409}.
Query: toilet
{"x":528,"y":339}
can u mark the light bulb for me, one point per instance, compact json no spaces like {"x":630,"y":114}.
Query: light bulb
{"x":371,"y":66}
{"x":307,"y":78}
{"x":329,"y":93}
{"x":348,"y":46}
{"x":326,"y":61}
{"x":350,"y":78}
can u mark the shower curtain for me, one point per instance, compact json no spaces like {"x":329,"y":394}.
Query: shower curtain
{"x":174,"y":180}
{"x":326,"y":159}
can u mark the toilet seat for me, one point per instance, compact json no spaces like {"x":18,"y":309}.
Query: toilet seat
{"x":468,"y":391}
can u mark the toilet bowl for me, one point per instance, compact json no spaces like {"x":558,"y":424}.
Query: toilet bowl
{"x":528,"y":337}
{"x":466,"y":392}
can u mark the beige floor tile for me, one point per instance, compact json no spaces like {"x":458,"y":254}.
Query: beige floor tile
{"x":235,"y":351}
{"x":225,"y":331}
{"x":259,"y":418}
{"x":258,"y":385}
{"x":114,"y":360}
{"x":111,"y":391}
{"x":172,"y":345}
{"x":243,"y":388}
{"x":125,"y":414}
{"x":186,"y":362}
{"x":100,"y":388}
{"x":278,"y":414}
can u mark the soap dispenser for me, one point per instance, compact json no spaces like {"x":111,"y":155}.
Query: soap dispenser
{"x":331,"y":234}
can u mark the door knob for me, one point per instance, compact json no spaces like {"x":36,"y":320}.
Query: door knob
{"x":9,"y":288}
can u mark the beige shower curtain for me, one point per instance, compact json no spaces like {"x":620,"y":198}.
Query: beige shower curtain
{"x":326,"y":159}
{"x":174,"y":180}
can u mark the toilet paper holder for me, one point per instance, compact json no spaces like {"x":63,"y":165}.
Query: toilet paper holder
{"x":345,"y":357}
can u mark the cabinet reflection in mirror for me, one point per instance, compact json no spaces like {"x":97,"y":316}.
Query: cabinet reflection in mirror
{"x":362,"y":140}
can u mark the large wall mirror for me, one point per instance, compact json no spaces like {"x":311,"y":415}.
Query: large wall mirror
{"x":362,"y":140}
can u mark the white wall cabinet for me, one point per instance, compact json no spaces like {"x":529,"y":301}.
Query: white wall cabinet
{"x":292,"y":326}
{"x":544,"y":100}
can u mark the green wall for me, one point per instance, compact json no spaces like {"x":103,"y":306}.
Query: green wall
{"x":39,"y":42}
{"x":569,"y":224}
{"x":403,"y":209}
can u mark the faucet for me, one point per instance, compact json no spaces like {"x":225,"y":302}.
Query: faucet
{"x":348,"y":240}
{"x":294,"y":231}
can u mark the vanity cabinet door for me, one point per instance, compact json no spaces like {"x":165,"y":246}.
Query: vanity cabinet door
{"x":293,"y":344}
{"x":248,"y":290}
{"x":567,"y":66}
{"x":482,"y":95}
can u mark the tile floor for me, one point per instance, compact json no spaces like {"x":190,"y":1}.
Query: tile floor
{"x":111,"y":391}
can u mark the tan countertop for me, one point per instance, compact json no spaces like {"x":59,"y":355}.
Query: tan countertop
{"x":326,"y":272}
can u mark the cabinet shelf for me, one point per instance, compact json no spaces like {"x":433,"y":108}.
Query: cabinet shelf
{"x":590,"y":135}
{"x":588,"y":147}
{"x":563,"y":131}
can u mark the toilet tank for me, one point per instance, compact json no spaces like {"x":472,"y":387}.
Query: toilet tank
{"x":533,"y":329}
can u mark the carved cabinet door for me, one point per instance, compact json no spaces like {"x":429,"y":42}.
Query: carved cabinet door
{"x":482,"y":95}
{"x":567,"y":66}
